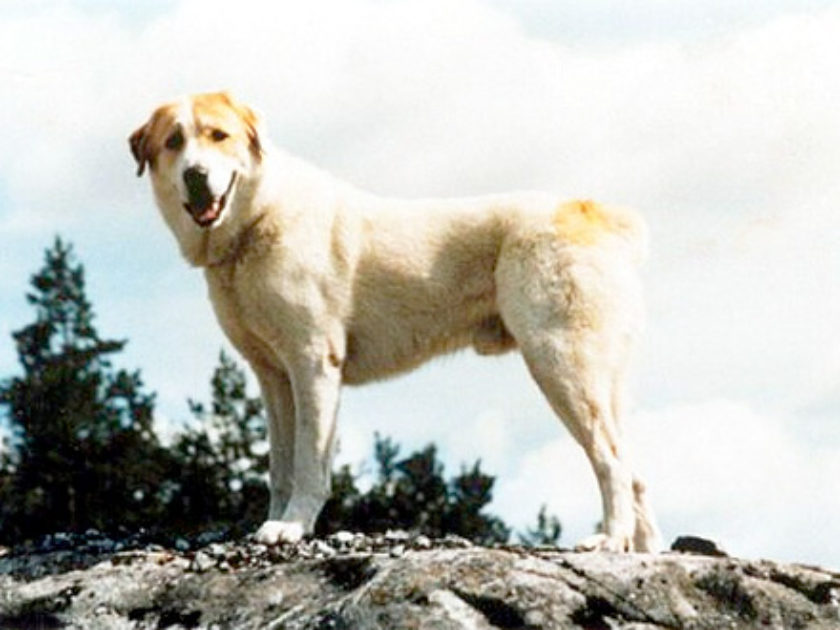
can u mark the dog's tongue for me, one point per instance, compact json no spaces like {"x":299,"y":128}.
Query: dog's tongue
{"x":209,"y":213}
{"x":204,"y":210}
{"x":203,"y":207}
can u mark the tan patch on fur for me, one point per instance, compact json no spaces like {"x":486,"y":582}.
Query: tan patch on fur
{"x":147,"y":141}
{"x":217,"y":111}
{"x":582,"y":222}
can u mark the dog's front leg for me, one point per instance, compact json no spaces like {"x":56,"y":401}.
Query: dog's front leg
{"x":316,"y":384}
{"x":276,"y":388}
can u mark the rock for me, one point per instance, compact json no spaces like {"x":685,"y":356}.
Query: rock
{"x":697,"y":545}
{"x":202,"y":562}
{"x":322,"y":549}
{"x":456,"y":542}
{"x":397,"y":535}
{"x":342,"y":538}
{"x":422,"y":542}
{"x":404,"y":584}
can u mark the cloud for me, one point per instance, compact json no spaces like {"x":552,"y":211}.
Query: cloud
{"x":472,"y":410}
{"x":743,"y":475}
{"x":719,"y":468}
{"x":614,"y":23}
{"x":431,"y":97}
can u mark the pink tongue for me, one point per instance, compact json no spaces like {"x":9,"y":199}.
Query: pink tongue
{"x":210,"y":213}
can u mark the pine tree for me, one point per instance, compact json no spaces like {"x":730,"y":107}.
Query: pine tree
{"x":412,"y":494}
{"x":222,"y":460}
{"x":546,"y":532}
{"x":83,"y":451}
{"x":471,"y":492}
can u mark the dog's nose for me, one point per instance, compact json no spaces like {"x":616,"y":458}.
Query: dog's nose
{"x":195,"y":179}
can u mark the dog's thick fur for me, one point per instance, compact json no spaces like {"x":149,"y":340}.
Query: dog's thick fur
{"x":319,"y":284}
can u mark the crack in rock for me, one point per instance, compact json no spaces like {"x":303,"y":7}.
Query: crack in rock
{"x":496,"y":611}
{"x":728,"y":589}
{"x":818,"y":592}
{"x":623,"y":609}
{"x":349,"y":573}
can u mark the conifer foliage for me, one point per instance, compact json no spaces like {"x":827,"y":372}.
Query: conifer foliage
{"x":221,"y":459}
{"x":412,"y":494}
{"x":82,"y":445}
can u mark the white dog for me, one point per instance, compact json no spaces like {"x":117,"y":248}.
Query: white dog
{"x":318,"y":284}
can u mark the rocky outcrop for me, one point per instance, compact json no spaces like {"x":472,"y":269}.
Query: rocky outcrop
{"x":398,"y":582}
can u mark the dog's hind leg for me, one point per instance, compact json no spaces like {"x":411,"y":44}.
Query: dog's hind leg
{"x":573,"y":319}
{"x":578,"y":397}
{"x":647,"y":536}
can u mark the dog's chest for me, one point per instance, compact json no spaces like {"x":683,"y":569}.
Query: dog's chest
{"x":270,"y":303}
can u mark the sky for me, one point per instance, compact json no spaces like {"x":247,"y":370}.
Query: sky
{"x":717,"y":120}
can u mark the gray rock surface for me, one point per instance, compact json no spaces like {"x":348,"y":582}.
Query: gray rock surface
{"x":350,"y":581}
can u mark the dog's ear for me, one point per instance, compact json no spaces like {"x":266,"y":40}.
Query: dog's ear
{"x":139,"y":143}
{"x":254,"y":133}
{"x":254,"y":126}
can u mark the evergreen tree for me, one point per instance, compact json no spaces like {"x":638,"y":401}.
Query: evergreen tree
{"x":412,"y":494}
{"x":471,"y":491}
{"x":83,"y":451}
{"x":223,"y":459}
{"x":546,"y":532}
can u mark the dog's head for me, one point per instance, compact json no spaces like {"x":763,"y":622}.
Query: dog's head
{"x":200,"y":152}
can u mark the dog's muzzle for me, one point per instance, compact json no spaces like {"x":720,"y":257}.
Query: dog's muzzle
{"x":204,"y":207}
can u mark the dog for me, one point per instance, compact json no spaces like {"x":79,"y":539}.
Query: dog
{"x":320,"y":284}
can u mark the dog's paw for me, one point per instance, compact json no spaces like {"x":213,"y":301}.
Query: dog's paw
{"x":277,"y":532}
{"x":603,"y":542}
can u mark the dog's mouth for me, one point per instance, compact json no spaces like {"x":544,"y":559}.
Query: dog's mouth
{"x":203,"y":206}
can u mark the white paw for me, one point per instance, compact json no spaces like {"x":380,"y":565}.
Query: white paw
{"x":603,"y":542}
{"x":276,"y":532}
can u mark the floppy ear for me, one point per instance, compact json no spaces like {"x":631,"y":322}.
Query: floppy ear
{"x":254,"y":127}
{"x":139,"y":143}
{"x":254,"y":132}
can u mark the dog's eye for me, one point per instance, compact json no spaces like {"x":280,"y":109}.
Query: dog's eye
{"x":218,"y":135}
{"x":175,"y":141}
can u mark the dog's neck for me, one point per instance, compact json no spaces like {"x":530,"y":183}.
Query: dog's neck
{"x":253,"y":240}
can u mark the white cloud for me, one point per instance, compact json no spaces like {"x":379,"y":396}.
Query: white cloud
{"x":719,"y":469}
{"x":742,"y":475}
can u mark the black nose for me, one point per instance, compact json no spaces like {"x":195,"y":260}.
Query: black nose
{"x":195,"y":179}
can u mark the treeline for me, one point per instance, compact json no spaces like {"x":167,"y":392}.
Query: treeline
{"x":81,"y":450}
